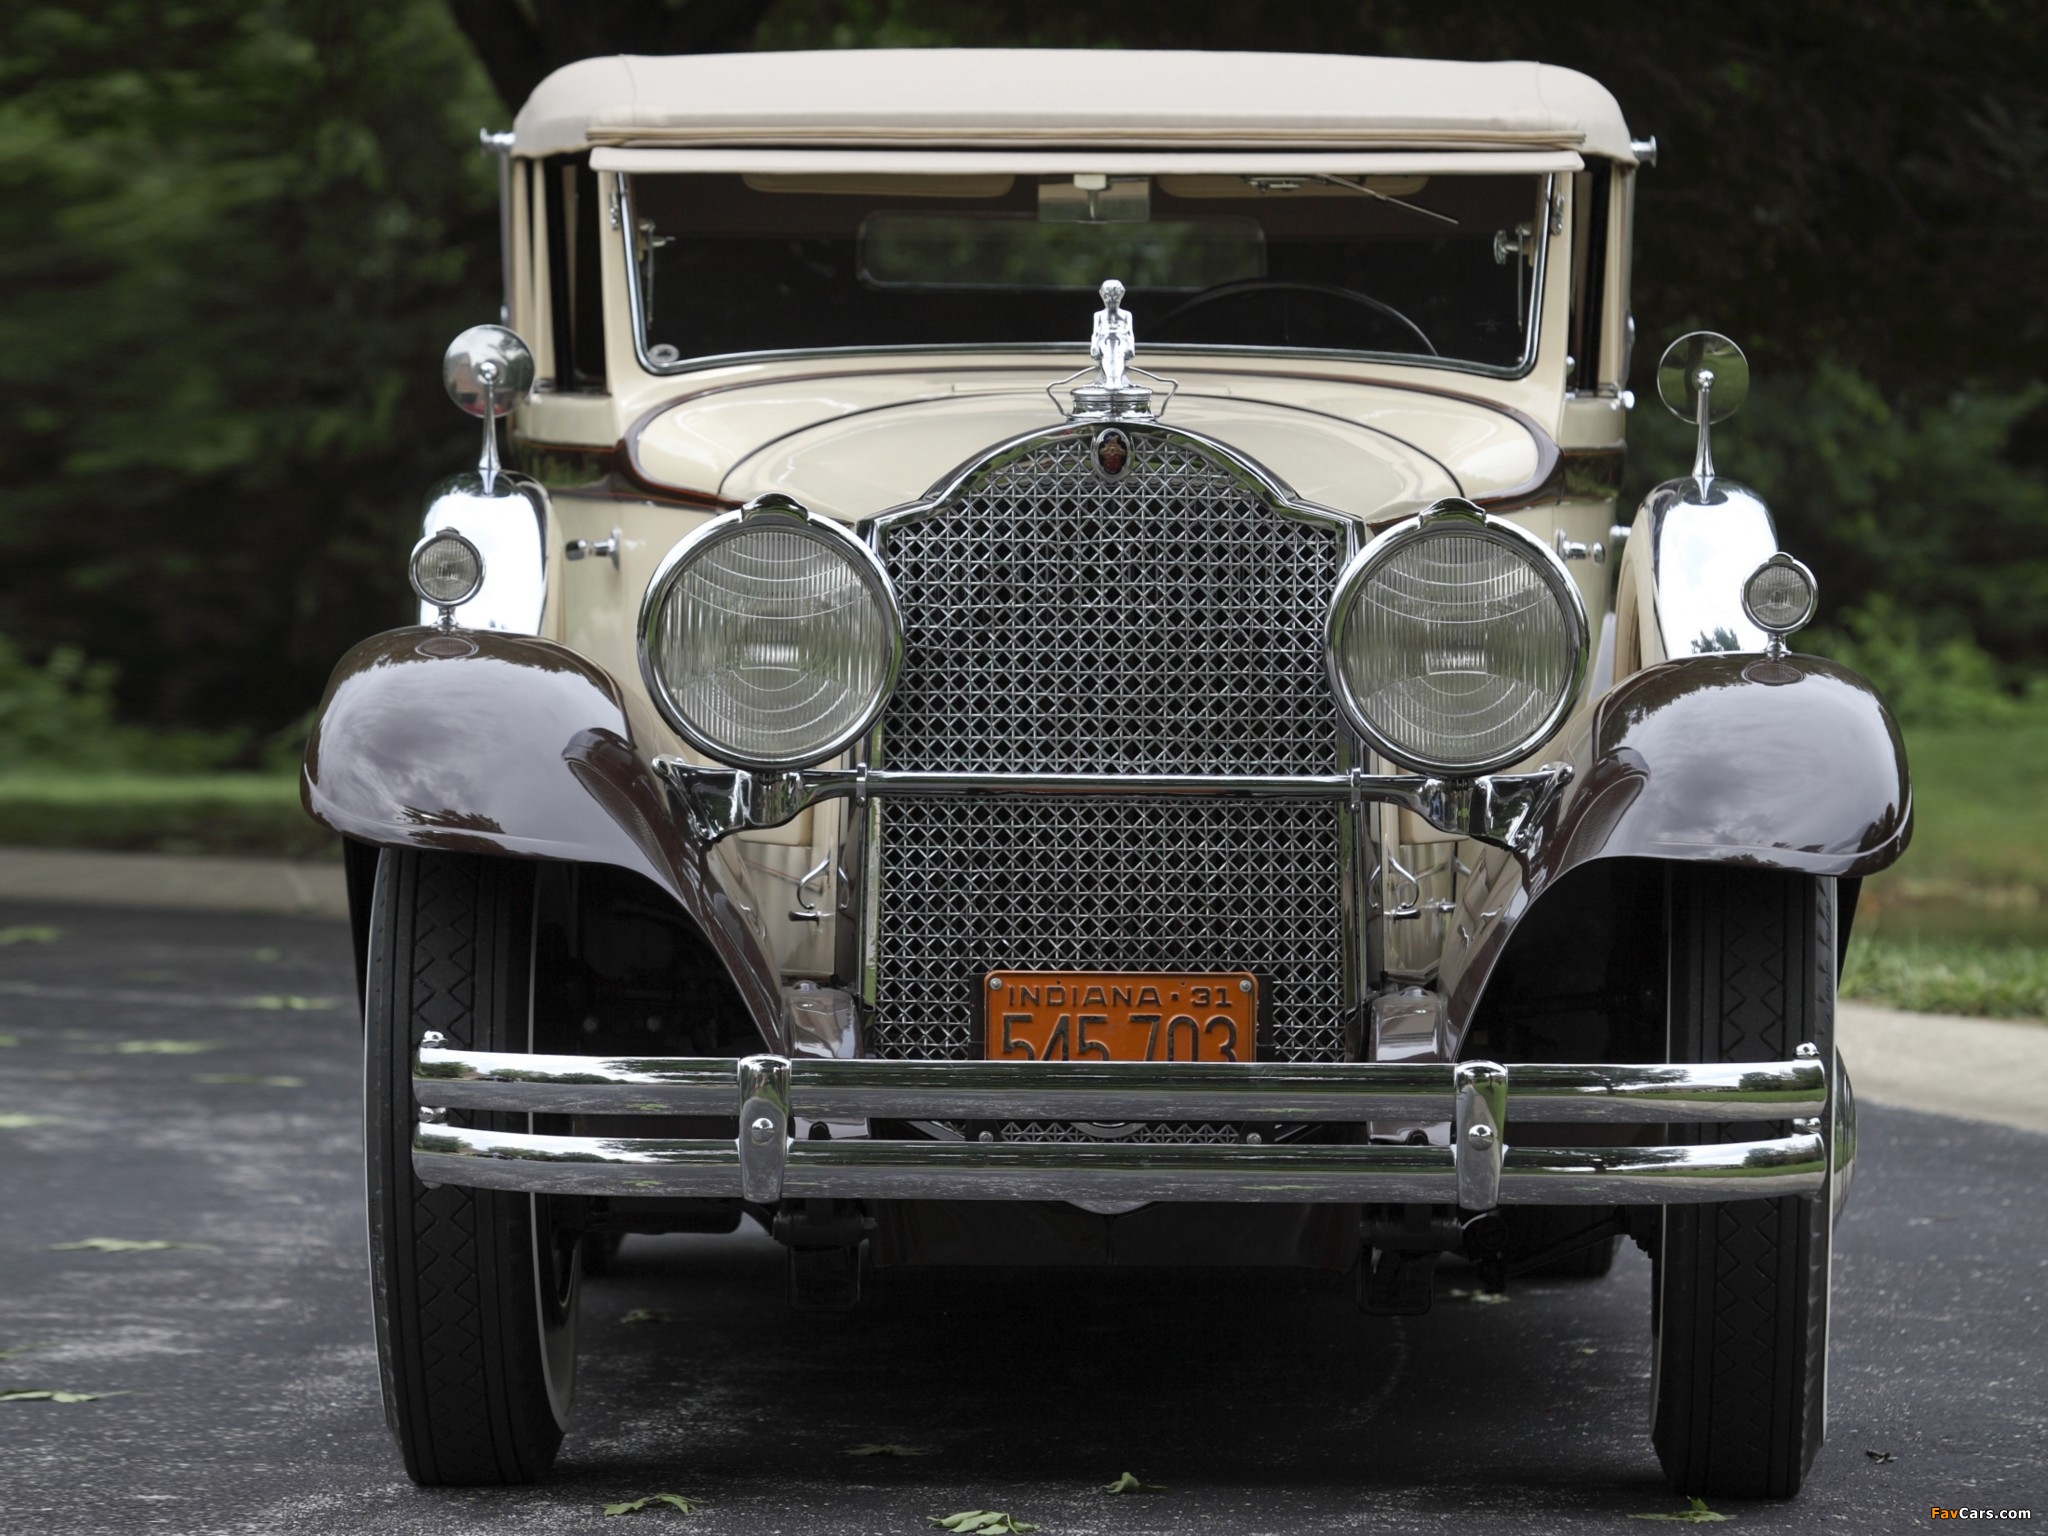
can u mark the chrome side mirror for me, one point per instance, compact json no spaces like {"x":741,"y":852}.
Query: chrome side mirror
{"x":1703,"y":378}
{"x":495,"y":567}
{"x":488,"y":371}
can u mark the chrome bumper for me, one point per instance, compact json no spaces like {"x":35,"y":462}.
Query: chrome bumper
{"x":1477,"y":1171}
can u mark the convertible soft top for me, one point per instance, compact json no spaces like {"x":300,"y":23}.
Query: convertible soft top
{"x":1008,"y":99}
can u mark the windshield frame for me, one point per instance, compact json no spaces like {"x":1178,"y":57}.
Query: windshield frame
{"x":1548,"y":221}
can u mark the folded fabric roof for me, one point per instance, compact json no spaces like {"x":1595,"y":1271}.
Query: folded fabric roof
{"x":1012,"y":99}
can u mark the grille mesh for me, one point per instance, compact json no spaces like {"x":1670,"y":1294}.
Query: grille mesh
{"x":1166,"y":622}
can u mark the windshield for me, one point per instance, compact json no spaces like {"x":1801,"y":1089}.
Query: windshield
{"x":1413,"y":266}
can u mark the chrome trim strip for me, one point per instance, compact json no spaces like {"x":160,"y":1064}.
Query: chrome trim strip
{"x":1734,"y":1170}
{"x":1793,"y":1165}
{"x":1304,"y":1091}
{"x":1330,"y":1093}
{"x":1765,"y":1090}
{"x":573,"y":1085}
{"x":573,"y":1165}
{"x":622,"y":220}
{"x":1496,"y":808}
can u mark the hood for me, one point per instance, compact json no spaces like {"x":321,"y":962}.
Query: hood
{"x":852,"y":445}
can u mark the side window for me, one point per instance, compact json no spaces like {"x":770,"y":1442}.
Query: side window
{"x":576,"y":291}
{"x":1592,"y":196}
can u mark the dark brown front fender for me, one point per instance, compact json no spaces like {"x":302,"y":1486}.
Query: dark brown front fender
{"x":479,"y":742}
{"x":1794,"y":764}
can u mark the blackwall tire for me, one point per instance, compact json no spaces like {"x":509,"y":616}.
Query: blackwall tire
{"x":474,"y":1292}
{"x":1741,"y":1320}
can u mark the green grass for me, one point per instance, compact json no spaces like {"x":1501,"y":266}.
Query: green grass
{"x":1960,"y":924}
{"x":1999,"y":981}
{"x":232,"y":813}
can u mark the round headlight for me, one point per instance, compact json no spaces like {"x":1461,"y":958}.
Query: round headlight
{"x":1457,"y":642}
{"x":447,"y":570}
{"x":1780,"y":596}
{"x":769,"y":638}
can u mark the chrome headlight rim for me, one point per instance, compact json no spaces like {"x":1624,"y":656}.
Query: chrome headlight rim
{"x":769,"y":510}
{"x":1454,"y":512}
{"x":445,"y":536}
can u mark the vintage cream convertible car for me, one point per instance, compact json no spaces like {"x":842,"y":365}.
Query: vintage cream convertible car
{"x":1051,"y":677}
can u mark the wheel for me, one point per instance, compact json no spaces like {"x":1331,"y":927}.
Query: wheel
{"x":600,"y":1254}
{"x":474,"y":1291}
{"x":1740,"y":1328}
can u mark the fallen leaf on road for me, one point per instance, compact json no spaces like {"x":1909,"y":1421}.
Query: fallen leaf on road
{"x":647,"y":1315}
{"x":44,"y":1396}
{"x":20,"y":1349}
{"x":7,"y":1040}
{"x":1881,"y":1457}
{"x":1695,"y":1513}
{"x":981,"y":1522}
{"x":13,"y":1122}
{"x":634,"y":1506}
{"x":161,"y":1047}
{"x":886,"y":1450}
{"x":289,"y":1004}
{"x":1129,"y":1483}
{"x":1483,"y":1298}
{"x":123,"y":1245}
{"x":255,"y":1079}
{"x":28,"y":934}
{"x":266,"y":954}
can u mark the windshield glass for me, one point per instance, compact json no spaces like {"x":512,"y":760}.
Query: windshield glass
{"x":1437,"y":266}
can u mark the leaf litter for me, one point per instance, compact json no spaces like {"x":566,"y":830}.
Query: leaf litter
{"x":159,"y":1047}
{"x":886,"y":1449}
{"x":252,"y":1079}
{"x":123,"y":1245}
{"x":1129,"y":1483}
{"x":648,"y":1315}
{"x":14,"y":1122}
{"x":673,"y":1501}
{"x":1695,"y":1513}
{"x":982,"y":1522}
{"x":50,"y":1395}
{"x":288,"y":1003}
{"x":29,"y":933}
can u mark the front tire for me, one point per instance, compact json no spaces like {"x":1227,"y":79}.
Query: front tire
{"x":474,"y":1291}
{"x":1740,"y":1386}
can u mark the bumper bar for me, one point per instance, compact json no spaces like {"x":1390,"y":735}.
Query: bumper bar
{"x":1477,"y":1171}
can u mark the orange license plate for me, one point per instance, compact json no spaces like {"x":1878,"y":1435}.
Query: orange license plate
{"x":1121,"y":1015}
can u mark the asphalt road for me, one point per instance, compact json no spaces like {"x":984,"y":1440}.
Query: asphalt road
{"x":1263,"y":1403}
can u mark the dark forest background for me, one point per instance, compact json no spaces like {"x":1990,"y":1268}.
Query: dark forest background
{"x":235,"y":237}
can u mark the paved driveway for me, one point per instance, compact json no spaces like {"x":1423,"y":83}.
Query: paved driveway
{"x":1264,"y":1403}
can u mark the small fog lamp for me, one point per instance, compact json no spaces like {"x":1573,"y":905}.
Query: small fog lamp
{"x":447,"y":571}
{"x":1780,"y":597}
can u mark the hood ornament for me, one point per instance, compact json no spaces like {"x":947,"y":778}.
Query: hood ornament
{"x":1110,"y":393}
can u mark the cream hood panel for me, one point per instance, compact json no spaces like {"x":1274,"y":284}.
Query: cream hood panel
{"x":855,"y":445}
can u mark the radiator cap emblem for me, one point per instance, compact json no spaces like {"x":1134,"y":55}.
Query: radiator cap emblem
{"x":1112,"y":452}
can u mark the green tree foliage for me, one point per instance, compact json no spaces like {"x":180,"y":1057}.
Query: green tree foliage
{"x":236,"y":234}
{"x":236,"y":237}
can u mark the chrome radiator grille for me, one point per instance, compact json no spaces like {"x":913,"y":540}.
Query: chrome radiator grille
{"x":1166,"y":622}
